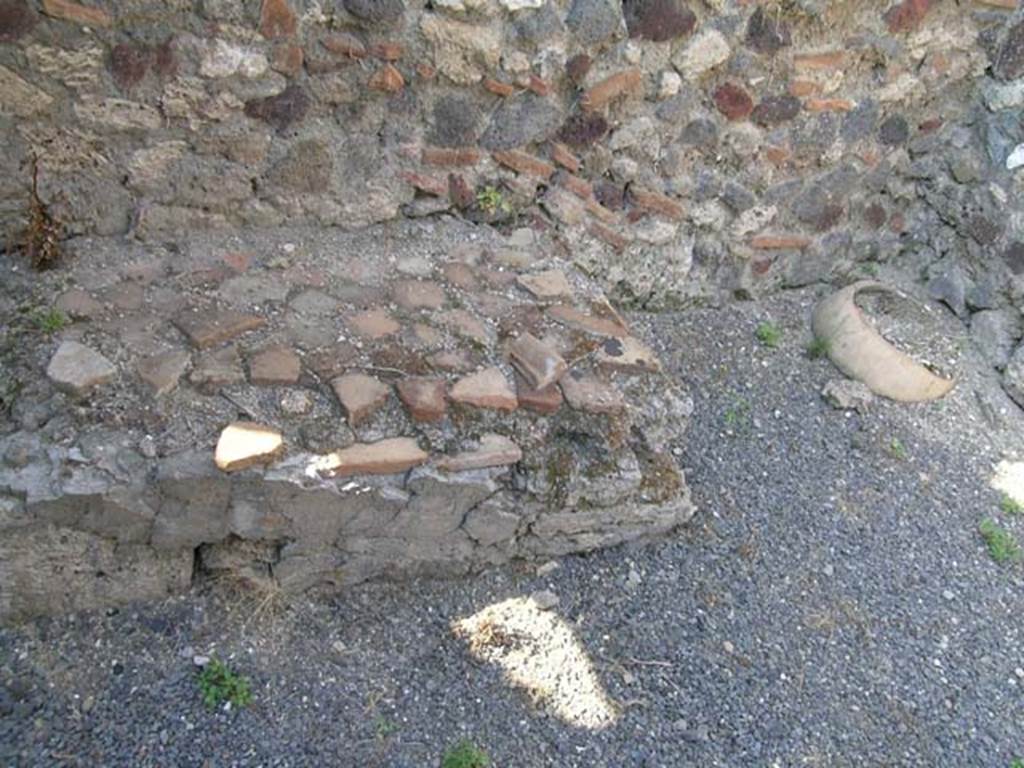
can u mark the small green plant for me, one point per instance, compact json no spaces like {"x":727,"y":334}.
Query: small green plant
{"x":897,"y":450}
{"x":736,"y":415}
{"x":1011,"y":506}
{"x":465,"y":754}
{"x":1018,"y":762}
{"x":384,"y":727}
{"x":818,"y":348}
{"x":1001,"y":545}
{"x":869,"y":268}
{"x":769,"y":334}
{"x":219,"y":683}
{"x":491,"y":201}
{"x":49,"y":320}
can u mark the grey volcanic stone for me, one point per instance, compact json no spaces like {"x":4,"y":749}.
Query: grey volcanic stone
{"x":456,"y":122}
{"x":995,"y":332}
{"x":520,"y":121}
{"x":594,"y":21}
{"x":76,"y":369}
{"x":701,"y":132}
{"x":860,"y":121}
{"x":848,"y":395}
{"x":385,"y":12}
{"x":1013,"y":376}
{"x":539,"y":26}
{"x":56,"y":570}
{"x":894,"y":131}
{"x":306,"y":168}
{"x":1010,"y":61}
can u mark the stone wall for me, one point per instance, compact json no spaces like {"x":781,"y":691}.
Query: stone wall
{"x":679,"y":149}
{"x":311,"y":408}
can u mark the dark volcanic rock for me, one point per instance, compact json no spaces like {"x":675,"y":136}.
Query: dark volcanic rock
{"x":733,"y":101}
{"x":776,"y":109}
{"x":583,"y":129}
{"x":16,"y":19}
{"x":767,"y":34}
{"x":129,"y":63}
{"x":1014,"y":258}
{"x":577,"y":67}
{"x":894,"y":131}
{"x":658,"y":20}
{"x":456,"y":122}
{"x":282,"y":110}
{"x":1010,"y":62}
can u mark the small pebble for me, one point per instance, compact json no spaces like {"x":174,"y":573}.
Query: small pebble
{"x":546,"y":568}
{"x":545,"y":599}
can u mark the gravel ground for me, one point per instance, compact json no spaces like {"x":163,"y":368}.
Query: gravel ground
{"x":832,"y":604}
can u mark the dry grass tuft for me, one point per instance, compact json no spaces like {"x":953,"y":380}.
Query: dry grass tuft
{"x":41,"y":239}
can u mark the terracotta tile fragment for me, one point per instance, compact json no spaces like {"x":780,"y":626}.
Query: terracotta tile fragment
{"x":547,"y":285}
{"x":344,"y":44}
{"x":277,"y":19}
{"x":373,"y":324}
{"x":564,"y":157}
{"x":424,"y":397}
{"x":657,"y":203}
{"x":162,"y":371}
{"x":275,"y":365}
{"x":217,"y":369}
{"x":486,"y":389}
{"x":418,"y":294}
{"x":245,"y":444}
{"x":829,"y":105}
{"x":387,"y":79}
{"x":582,"y":321}
{"x":826,"y":60}
{"x":499,"y":88}
{"x":611,"y":88}
{"x":80,"y":14}
{"x":211,"y":327}
{"x":450,"y":158}
{"x":544,"y":401}
{"x":360,"y":395}
{"x":385,"y":457}
{"x":780,"y":242}
{"x":494,"y":451}
{"x":524,"y":163}
{"x":537,"y":362}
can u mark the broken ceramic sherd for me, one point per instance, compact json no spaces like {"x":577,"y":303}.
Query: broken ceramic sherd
{"x":859,"y":351}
